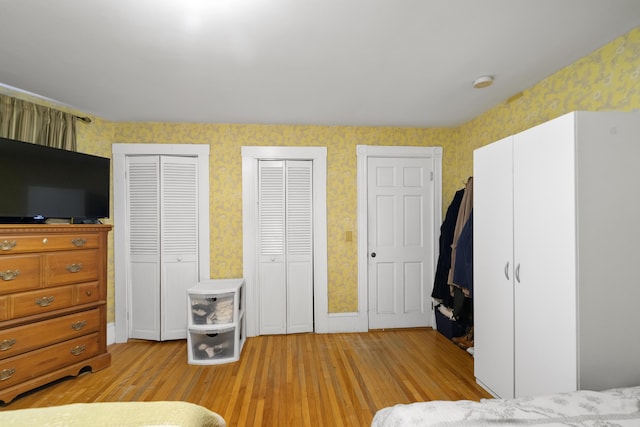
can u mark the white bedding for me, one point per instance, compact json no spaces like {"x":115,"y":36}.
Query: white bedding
{"x":617,"y":407}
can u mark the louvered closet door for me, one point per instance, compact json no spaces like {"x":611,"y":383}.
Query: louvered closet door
{"x":286,"y":247}
{"x":178,"y":243}
{"x":162,"y":228}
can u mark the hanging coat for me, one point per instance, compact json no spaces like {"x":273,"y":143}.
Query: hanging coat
{"x":441,"y":284}
{"x":463,"y":215}
{"x":463,"y":268}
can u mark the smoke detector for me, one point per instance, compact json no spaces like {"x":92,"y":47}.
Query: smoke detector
{"x":482,"y":81}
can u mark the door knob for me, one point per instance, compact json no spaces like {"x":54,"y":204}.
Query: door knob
{"x":373,"y":254}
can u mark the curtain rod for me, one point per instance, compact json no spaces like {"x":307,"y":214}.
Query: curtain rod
{"x":85,"y":119}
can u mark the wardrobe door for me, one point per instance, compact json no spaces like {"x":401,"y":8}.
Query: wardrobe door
{"x":493,"y":267}
{"x":545,"y":259}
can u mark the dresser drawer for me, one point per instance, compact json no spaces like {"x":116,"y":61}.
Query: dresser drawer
{"x":38,"y":362}
{"x":40,"y":301}
{"x":86,"y":293}
{"x":62,"y":268}
{"x":35,"y":335}
{"x":38,"y":243}
{"x":19,"y":273}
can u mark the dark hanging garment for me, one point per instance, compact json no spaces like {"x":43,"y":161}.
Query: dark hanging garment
{"x":463,"y":268}
{"x":463,"y":215}
{"x":441,"y":290}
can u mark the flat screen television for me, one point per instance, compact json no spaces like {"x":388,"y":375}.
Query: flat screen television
{"x":39,"y":183}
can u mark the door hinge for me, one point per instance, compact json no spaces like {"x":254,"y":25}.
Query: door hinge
{"x":431,"y":175}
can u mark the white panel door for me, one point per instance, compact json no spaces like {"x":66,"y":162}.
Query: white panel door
{"x":285,"y":247}
{"x":493,"y":267}
{"x":162,"y":222}
{"x":399,"y":193}
{"x":545,"y":259}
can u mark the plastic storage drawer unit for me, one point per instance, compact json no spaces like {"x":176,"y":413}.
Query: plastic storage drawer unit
{"x":216,"y":321}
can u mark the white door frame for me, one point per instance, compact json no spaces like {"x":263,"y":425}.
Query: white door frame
{"x":250,"y":158}
{"x":121,"y":229}
{"x":363,"y":154}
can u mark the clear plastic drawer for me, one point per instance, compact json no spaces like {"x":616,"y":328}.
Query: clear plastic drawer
{"x":212,"y":309}
{"x":212,"y":345}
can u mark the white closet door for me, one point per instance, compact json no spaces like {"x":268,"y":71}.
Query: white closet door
{"x":179,"y":241}
{"x":299,"y":244}
{"x":163,"y":243}
{"x":143,"y":213}
{"x":272,"y":274}
{"x":285,"y":247}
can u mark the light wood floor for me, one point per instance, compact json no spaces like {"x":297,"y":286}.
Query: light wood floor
{"x":293,"y":380}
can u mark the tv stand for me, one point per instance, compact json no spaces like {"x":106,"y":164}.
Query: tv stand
{"x":57,"y":221}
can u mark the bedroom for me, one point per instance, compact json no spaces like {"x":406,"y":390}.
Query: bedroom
{"x":582,"y":85}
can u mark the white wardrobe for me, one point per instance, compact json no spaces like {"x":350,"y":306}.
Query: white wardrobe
{"x":285,"y":231}
{"x":556,"y":257}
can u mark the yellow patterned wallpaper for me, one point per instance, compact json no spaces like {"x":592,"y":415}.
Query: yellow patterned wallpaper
{"x":607,"y":79}
{"x":226,"y":184}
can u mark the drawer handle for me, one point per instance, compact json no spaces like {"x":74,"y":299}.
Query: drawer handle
{"x":78,"y":350}
{"x":5,"y":374}
{"x":79,"y":242}
{"x":9,"y":275}
{"x":7,"y":245}
{"x":7,"y":344}
{"x":44,"y":301}
{"x":78,"y":325}
{"x":74,"y":268}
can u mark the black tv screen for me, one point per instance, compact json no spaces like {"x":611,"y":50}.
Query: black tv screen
{"x":38,"y":183}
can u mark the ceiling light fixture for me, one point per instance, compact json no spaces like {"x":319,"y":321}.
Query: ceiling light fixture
{"x":482,"y":81}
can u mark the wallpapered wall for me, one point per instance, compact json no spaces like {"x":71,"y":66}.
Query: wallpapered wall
{"x":226,"y":184}
{"x":607,"y":79}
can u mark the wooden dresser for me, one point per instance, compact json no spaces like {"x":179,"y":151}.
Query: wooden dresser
{"x":53,"y":294}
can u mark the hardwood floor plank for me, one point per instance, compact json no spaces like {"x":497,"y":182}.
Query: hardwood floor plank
{"x":301,"y":380}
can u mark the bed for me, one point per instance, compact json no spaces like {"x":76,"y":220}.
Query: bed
{"x":616,"y":407}
{"x":121,"y":414}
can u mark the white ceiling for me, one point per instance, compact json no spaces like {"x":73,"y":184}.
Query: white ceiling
{"x":326,"y":62}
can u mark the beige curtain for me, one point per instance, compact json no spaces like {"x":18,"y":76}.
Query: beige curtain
{"x":29,"y":122}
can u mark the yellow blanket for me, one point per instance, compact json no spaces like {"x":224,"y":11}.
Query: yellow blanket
{"x":112,"y":414}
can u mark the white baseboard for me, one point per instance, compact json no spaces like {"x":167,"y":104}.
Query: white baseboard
{"x":337,"y":323}
{"x":347,"y":322}
{"x":111,"y":333}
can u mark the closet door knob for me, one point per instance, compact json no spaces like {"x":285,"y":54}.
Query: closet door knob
{"x":373,"y":254}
